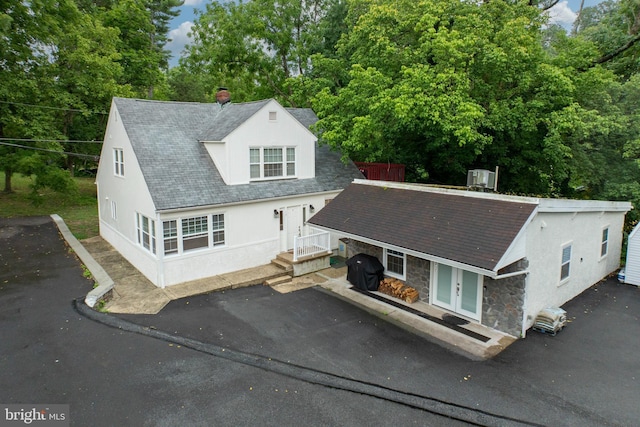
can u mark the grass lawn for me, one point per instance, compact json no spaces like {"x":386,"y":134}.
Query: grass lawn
{"x":79,"y":211}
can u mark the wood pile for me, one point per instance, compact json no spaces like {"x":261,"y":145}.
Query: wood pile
{"x":397,"y":289}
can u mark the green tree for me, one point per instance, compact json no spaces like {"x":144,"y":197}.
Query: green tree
{"x":254,"y":47}
{"x":86,"y":68}
{"x":614,"y":28}
{"x":445,"y":86}
{"x":59,"y":73}
{"x":144,"y":27}
{"x":25,"y":82}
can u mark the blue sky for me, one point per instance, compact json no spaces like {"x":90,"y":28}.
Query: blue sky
{"x":563,"y":13}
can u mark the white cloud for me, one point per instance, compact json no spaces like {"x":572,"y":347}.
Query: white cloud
{"x":179,"y":38}
{"x":192,"y":2}
{"x":562,"y":14}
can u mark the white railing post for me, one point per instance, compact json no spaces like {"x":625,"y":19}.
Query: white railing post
{"x":312,"y":244}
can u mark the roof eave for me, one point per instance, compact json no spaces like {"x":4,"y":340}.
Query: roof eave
{"x":421,"y":255}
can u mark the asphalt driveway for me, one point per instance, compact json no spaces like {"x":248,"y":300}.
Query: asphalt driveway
{"x":254,"y":356}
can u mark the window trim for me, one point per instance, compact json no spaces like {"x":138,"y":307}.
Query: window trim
{"x":604,"y":242}
{"x":171,"y":237}
{"x":216,"y":233}
{"x":564,"y":279}
{"x":396,"y":254}
{"x":118,"y":162}
{"x":214,"y":230}
{"x":284,"y":163}
{"x":199,"y":232}
{"x":141,"y":233}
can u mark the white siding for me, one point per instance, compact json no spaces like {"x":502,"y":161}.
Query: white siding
{"x":547,"y":234}
{"x":632,"y":266}
{"x":232,"y":156}
{"x":252,"y":238}
{"x":129,"y":193}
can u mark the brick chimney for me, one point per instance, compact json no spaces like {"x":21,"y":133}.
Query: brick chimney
{"x":223,"y":96}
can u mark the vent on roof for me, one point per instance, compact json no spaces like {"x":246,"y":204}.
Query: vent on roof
{"x":481,"y":178}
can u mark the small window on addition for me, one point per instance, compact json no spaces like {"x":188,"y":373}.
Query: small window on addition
{"x":273,"y":115}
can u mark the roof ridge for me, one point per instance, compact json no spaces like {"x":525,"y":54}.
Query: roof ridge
{"x":160,"y":101}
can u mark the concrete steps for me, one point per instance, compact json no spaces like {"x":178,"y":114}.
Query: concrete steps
{"x":278,"y":280}
{"x":283,"y":264}
{"x":286,"y":267}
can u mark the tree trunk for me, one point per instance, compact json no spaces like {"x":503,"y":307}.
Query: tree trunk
{"x":8,"y":173}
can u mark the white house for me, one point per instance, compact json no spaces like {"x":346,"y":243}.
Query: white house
{"x":632,"y":265}
{"x":493,"y":259}
{"x":192,"y":190}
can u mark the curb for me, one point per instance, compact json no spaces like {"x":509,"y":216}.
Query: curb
{"x":451,"y":410}
{"x":101,"y":278}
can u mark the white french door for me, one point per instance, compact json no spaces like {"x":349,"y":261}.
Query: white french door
{"x":457,"y":290}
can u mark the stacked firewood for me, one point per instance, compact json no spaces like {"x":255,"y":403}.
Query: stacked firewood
{"x":397,"y":289}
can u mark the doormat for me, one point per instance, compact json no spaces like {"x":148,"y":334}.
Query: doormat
{"x":337,"y":261}
{"x":434,"y":319}
{"x":454,"y":320}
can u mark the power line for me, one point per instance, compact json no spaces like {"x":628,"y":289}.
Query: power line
{"x":53,"y":108}
{"x":51,"y":140}
{"x":89,"y":156}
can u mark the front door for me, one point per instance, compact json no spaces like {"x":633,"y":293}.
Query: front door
{"x":457,"y":290}
{"x":293,"y":224}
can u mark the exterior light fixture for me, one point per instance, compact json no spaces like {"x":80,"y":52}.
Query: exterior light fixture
{"x":312,"y":209}
{"x":276,"y":213}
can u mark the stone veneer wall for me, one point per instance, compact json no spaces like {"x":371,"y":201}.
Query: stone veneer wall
{"x":503,"y":300}
{"x":355,"y":247}
{"x":419,"y":276}
{"x":418,"y":270}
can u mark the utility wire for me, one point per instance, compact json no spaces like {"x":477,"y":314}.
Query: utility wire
{"x":53,"y":108}
{"x":89,"y":156}
{"x":51,"y":140}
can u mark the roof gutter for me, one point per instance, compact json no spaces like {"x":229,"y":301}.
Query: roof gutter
{"x":512,"y":274}
{"x":421,"y":255}
{"x":225,"y":205}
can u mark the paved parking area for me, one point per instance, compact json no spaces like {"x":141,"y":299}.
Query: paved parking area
{"x":304,"y":355}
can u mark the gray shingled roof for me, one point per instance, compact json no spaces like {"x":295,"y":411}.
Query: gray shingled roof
{"x":229,"y":118}
{"x":470,"y":230}
{"x":178,"y":169}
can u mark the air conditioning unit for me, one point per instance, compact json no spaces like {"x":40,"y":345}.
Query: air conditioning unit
{"x":481,"y":178}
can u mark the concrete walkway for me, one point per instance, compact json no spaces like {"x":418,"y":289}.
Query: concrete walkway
{"x":132,"y":293}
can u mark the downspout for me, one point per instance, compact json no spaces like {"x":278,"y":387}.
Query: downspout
{"x":159,"y":251}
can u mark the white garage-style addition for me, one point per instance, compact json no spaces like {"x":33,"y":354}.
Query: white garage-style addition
{"x":489,"y":258}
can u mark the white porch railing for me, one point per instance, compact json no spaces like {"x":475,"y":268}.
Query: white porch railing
{"x":315,"y":243}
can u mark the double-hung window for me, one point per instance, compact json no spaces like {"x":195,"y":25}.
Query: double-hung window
{"x":604,"y":244}
{"x":146,"y":231}
{"x":170,"y":234}
{"x":118,"y":162}
{"x":195,"y":233}
{"x":217,"y":224}
{"x":186,"y":234}
{"x":272,"y":162}
{"x":565,"y":268}
{"x":395,"y":263}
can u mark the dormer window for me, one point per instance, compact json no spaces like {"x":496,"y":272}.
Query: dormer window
{"x":272,"y":162}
